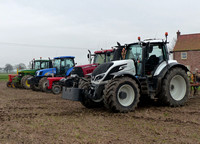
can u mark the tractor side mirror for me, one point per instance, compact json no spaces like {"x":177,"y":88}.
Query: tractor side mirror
{"x":118,"y":44}
{"x":88,"y":56}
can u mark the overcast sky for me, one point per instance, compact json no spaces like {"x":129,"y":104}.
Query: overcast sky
{"x":48,"y":28}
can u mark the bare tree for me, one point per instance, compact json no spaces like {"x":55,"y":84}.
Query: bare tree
{"x":173,"y":43}
{"x":20,"y":66}
{"x":8,"y":68}
{"x":30,"y":65}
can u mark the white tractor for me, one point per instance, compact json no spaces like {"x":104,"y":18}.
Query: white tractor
{"x":143,"y":71}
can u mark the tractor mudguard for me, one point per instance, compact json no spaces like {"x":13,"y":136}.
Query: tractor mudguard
{"x":164,"y":71}
{"x":69,"y":71}
{"x":51,"y":80}
{"x":74,"y":94}
{"x":170,"y":66}
{"x":129,"y":75}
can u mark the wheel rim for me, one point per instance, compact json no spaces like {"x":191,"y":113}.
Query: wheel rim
{"x":126,"y":95}
{"x":177,"y":87}
{"x":13,"y":85}
{"x":28,"y":85}
{"x":56,"y":89}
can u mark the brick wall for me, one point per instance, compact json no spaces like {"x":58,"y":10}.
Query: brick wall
{"x":193,"y":59}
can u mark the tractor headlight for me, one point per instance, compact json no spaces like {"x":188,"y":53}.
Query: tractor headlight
{"x":37,"y":73}
{"x":98,"y":77}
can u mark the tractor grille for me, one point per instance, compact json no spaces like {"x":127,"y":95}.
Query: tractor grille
{"x":102,"y":68}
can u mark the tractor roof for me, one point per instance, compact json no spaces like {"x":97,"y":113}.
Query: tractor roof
{"x":41,"y":60}
{"x":103,"y":51}
{"x":60,"y":57}
{"x":149,"y":41}
{"x":153,"y":41}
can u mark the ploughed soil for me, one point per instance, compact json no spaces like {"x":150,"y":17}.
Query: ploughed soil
{"x":35,"y":117}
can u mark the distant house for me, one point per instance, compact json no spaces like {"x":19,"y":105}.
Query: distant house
{"x":187,"y":50}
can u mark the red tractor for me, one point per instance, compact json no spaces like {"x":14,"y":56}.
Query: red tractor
{"x":99,"y":57}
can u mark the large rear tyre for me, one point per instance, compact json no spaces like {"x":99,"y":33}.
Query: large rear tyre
{"x":175,"y":88}
{"x":87,"y":102}
{"x":121,"y":94}
{"x":43,"y":84}
{"x":24,"y":82}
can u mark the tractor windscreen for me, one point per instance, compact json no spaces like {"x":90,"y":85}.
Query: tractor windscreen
{"x":44,"y":65}
{"x":37,"y":65}
{"x":67,"y":63}
{"x":101,"y":58}
{"x":135,"y":52}
{"x":62,"y":65}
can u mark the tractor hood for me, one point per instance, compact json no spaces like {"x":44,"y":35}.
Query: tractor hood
{"x":31,"y":72}
{"x":83,"y":70}
{"x":46,"y":72}
{"x":112,"y":69}
{"x":27,"y":71}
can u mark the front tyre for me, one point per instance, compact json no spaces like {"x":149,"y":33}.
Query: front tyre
{"x":43,"y":84}
{"x":56,"y":89}
{"x":121,"y":94}
{"x":175,"y":88}
{"x":34,"y":87}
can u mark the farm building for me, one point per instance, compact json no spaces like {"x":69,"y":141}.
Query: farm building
{"x":187,"y":50}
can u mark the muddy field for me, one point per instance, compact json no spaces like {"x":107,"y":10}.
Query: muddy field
{"x":34,"y":117}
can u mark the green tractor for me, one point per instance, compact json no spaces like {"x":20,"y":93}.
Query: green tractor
{"x":20,"y":80}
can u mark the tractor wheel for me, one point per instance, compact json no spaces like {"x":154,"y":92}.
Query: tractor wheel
{"x":13,"y":85}
{"x":24,"y":81}
{"x":17,"y":85}
{"x":8,"y":84}
{"x":43,"y":84}
{"x":88,"y":103}
{"x":34,"y":87}
{"x":175,"y":88}
{"x":56,"y":89}
{"x":121,"y":94}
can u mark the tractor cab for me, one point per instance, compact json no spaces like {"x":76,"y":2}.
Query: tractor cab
{"x":147,"y":56}
{"x":99,"y":57}
{"x":103,"y":56}
{"x":41,"y":64}
{"x":63,"y":64}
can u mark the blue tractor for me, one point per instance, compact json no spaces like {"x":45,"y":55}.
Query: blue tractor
{"x":62,"y":67}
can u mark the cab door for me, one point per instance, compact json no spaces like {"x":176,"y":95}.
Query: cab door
{"x":155,"y":57}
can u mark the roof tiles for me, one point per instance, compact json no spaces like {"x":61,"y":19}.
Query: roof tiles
{"x":188,"y":42}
